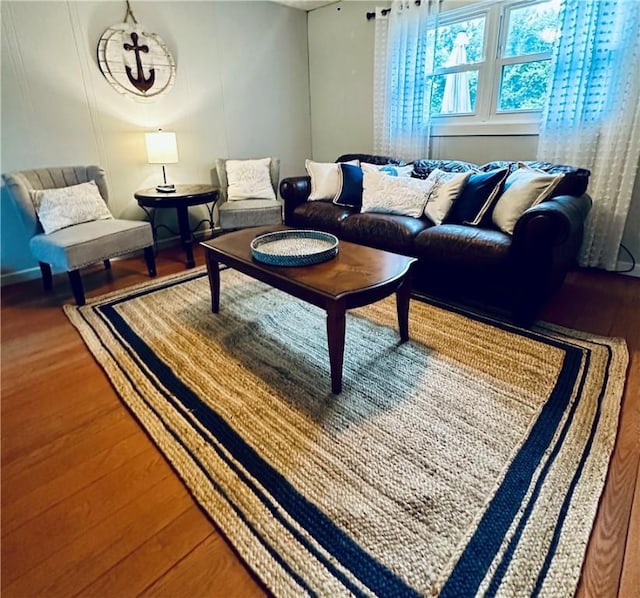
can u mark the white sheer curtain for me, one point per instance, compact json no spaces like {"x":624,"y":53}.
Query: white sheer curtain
{"x":593,"y":115}
{"x":404,"y":53}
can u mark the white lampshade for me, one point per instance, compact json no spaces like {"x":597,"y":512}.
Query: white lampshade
{"x":162,"y":147}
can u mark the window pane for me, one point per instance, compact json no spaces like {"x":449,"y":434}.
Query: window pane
{"x":524,"y":86}
{"x":532,"y":29}
{"x":454,"y":93}
{"x":460,"y":43}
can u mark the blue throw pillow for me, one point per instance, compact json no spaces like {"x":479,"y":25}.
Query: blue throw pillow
{"x":474,"y":204}
{"x":350,"y":190}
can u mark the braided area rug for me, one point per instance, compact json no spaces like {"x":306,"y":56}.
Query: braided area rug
{"x":469,"y":460}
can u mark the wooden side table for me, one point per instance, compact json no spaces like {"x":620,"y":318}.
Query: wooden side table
{"x":181,"y":199}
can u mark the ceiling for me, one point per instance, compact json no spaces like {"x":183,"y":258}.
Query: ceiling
{"x":305,"y":4}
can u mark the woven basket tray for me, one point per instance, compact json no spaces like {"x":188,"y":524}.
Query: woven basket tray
{"x":294,"y":247}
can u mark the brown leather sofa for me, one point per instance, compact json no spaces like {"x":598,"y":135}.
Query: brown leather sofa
{"x":480,"y":265}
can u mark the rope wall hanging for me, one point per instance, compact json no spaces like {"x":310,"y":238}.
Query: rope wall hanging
{"x":136,"y":63}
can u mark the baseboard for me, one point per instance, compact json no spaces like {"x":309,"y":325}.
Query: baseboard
{"x":631,"y":270}
{"x":19,"y":276}
{"x":34,"y":273}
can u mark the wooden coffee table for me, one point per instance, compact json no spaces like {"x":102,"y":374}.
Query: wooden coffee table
{"x":357,"y":276}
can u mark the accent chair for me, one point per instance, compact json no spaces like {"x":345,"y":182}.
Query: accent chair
{"x":244,"y":213}
{"x":78,"y":245}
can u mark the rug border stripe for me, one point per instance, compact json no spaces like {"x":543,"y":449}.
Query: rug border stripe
{"x":565,"y":506}
{"x":507,"y":556}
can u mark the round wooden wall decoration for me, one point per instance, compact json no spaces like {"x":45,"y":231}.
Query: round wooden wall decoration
{"x":136,"y":63}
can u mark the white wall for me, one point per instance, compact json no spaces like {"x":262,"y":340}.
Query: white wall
{"x":341,"y":45}
{"x":241,"y":90}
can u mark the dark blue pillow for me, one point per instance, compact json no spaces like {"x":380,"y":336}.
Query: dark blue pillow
{"x":350,"y":193}
{"x":473,"y":206}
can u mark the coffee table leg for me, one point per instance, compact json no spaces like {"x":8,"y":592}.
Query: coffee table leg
{"x":213,"y":270}
{"x":185,"y":234}
{"x":403,"y":295}
{"x":335,"y":338}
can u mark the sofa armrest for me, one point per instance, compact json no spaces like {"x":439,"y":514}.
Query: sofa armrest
{"x":553,"y":221}
{"x":294,"y":191}
{"x":545,"y":246}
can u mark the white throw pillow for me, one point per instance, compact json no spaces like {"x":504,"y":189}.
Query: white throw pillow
{"x":249,"y":179}
{"x":325,"y":179}
{"x":445,"y":188}
{"x":523,"y":189}
{"x":390,"y":194}
{"x":66,"y":206}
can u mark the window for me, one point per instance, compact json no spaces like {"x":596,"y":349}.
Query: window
{"x":491,"y":67}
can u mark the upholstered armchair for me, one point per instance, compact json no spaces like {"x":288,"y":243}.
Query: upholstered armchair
{"x":243,"y":208}
{"x":68,"y":245}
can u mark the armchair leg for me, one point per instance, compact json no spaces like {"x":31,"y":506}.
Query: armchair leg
{"x":76,"y":286}
{"x":107,"y":264}
{"x":47,"y":278}
{"x":149,"y":257}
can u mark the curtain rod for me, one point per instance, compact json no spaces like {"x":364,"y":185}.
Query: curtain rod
{"x":385,"y":11}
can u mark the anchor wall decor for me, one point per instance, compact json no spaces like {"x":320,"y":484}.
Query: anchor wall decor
{"x":135,"y":62}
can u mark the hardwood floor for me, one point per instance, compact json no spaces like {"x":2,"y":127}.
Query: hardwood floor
{"x":90,"y":507}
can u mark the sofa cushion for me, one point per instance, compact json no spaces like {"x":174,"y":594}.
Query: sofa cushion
{"x":475,"y":203}
{"x":384,"y":231}
{"x":319,"y":215}
{"x":371,"y":159}
{"x":458,"y":245}
{"x":574,"y":181}
{"x":423,"y":168}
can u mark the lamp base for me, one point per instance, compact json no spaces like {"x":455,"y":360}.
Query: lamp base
{"x":166,"y":188}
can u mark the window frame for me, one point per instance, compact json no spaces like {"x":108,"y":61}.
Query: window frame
{"x":487,"y":119}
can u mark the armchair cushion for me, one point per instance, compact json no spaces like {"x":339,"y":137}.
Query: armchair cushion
{"x":66,"y":206}
{"x":250,"y":212}
{"x":77,"y":246}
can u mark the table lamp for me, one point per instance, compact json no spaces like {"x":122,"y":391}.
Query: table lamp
{"x":162,"y":148}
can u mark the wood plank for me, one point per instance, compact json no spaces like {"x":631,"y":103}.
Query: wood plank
{"x":88,"y":556}
{"x":52,"y":459}
{"x":55,"y":528}
{"x":33,"y":431}
{"x":152,"y":559}
{"x":88,"y":469}
{"x":210,"y":569}
{"x":630,"y":582}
